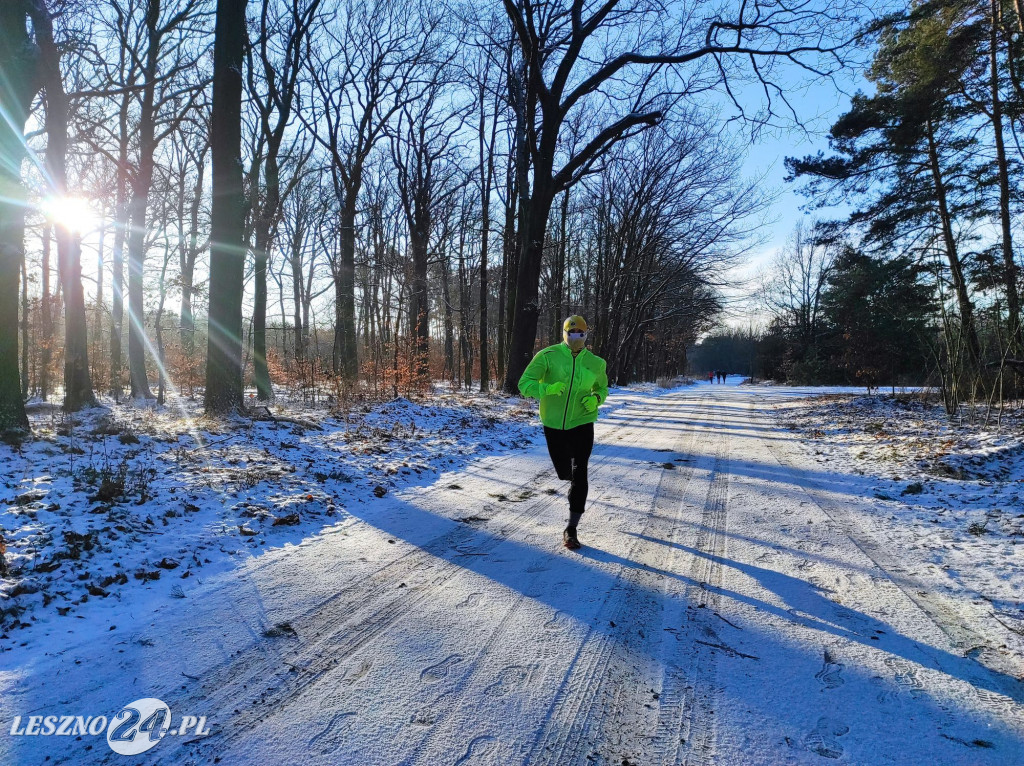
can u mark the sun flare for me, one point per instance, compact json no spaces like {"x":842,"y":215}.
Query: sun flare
{"x":73,"y":213}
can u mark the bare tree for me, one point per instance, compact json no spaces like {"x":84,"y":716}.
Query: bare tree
{"x":77,"y":378}
{"x":166,"y":69}
{"x":792,"y":287}
{"x":620,"y":59}
{"x":362,"y":69}
{"x":427,"y":175}
{"x":669,"y":216}
{"x":279,"y":50}
{"x":18,"y":86}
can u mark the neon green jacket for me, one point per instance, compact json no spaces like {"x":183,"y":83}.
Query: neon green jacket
{"x":583,"y":374}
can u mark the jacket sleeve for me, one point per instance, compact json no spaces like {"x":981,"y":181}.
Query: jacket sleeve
{"x":601,"y":385}
{"x":529,"y":383}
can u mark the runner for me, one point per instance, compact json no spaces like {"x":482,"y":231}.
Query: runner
{"x":571,"y":382}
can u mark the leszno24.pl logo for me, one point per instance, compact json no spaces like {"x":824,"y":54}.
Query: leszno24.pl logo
{"x":132,"y":730}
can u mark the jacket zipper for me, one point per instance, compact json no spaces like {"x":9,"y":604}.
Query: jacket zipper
{"x":568,"y":395}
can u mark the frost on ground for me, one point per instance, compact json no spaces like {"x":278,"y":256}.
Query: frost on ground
{"x":735,"y":602}
{"x":134,"y":500}
{"x":949,"y":491}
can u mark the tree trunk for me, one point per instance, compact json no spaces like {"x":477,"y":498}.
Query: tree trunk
{"x":955,"y":267}
{"x":46,"y":321}
{"x":136,"y":263}
{"x":138,"y":209}
{"x":16,"y":93}
{"x":508,"y":246}
{"x":346,"y":362}
{"x":188,"y":264}
{"x":77,"y":376}
{"x":524,"y":326}
{"x":465,"y":312}
{"x":296,"y":261}
{"x":224,"y":391}
{"x":158,"y":330}
{"x":117,"y":263}
{"x":419,"y":307}
{"x":265,"y":222}
{"x":449,"y":324}
{"x":486,"y":179}
{"x":264,"y":228}
{"x":26,"y":353}
{"x":1009,"y":267}
{"x":558,"y":299}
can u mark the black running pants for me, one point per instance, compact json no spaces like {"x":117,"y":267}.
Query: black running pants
{"x":570,"y":452}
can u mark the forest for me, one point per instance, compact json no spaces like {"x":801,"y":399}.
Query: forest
{"x":909,"y":274}
{"x":357,"y":198}
{"x":272,"y":271}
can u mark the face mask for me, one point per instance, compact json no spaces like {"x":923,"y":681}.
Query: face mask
{"x":574,"y":340}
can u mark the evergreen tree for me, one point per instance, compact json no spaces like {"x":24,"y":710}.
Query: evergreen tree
{"x":902,"y":155}
{"x":879,"y":315}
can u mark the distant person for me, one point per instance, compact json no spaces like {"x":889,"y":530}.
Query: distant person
{"x":711,"y":377}
{"x":571,"y":382}
{"x":721,"y":377}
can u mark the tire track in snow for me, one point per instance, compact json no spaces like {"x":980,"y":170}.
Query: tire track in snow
{"x":256,"y":685}
{"x":686,"y":725}
{"x":965,"y":636}
{"x":424,"y":752}
{"x":590,"y":707}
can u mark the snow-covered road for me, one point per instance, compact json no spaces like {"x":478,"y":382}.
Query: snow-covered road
{"x":733,"y":604}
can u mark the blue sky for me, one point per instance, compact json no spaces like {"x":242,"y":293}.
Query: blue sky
{"x":818,"y":105}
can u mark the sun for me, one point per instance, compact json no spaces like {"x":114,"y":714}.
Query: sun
{"x":73,"y":213}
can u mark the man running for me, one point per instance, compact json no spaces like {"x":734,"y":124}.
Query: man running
{"x":571,"y":383}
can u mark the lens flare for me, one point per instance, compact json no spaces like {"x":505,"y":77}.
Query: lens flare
{"x":73,"y":213}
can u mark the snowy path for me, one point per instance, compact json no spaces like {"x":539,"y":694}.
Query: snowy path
{"x":730,"y":606}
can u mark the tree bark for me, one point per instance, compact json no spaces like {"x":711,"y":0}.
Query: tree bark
{"x":486,"y":179}
{"x":17,"y":88}
{"x":46,"y":320}
{"x":121,"y":218}
{"x":419,"y":306}
{"x":449,"y":324}
{"x":224,"y":392}
{"x":187,"y":321}
{"x":297,"y":284}
{"x":26,"y":353}
{"x":77,"y":376}
{"x":138,"y":210}
{"x":1009,"y":266}
{"x":346,"y":361}
{"x":527,"y":311}
{"x":955,"y":267}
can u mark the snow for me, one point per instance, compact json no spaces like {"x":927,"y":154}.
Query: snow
{"x":753,"y":588}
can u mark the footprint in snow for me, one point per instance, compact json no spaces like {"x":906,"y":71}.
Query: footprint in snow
{"x":472,"y":600}
{"x":357,"y":674}
{"x":509,"y":678}
{"x":905,"y":676}
{"x":327,"y":741}
{"x":478,"y":747}
{"x":822,"y":740}
{"x":423,"y":717}
{"x":829,"y":675}
{"x":559,"y":622}
{"x":440,"y":671}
